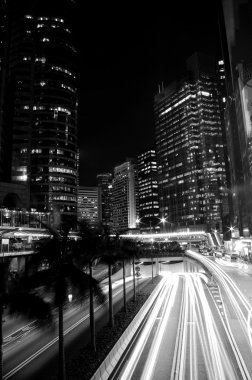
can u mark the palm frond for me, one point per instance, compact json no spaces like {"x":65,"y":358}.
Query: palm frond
{"x":30,"y":305}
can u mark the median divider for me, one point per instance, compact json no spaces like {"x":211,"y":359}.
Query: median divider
{"x":107,"y":366}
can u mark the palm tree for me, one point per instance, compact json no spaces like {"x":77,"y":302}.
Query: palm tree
{"x":62,"y":275}
{"x":87,"y":251}
{"x":109,"y":256}
{"x":130,"y":249}
{"x":17,"y":299}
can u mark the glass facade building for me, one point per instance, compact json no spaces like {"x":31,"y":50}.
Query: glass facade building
{"x":39,"y":102}
{"x":125,"y":197}
{"x":148,"y":190}
{"x":88,"y":205}
{"x":189,"y":145}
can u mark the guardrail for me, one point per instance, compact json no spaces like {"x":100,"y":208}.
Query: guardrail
{"x":16,"y":253}
{"x":110,"y":362}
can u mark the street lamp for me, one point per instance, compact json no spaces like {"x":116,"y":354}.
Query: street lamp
{"x":152,"y":260}
{"x":235,"y":205}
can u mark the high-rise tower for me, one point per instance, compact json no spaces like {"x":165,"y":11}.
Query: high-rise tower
{"x":104,"y":184}
{"x":148,"y":190}
{"x":125,"y":196}
{"x":189,"y":144}
{"x":236,"y":38}
{"x":39,"y":102}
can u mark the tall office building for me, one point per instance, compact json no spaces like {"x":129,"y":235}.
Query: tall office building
{"x":125,"y":196}
{"x":236,"y":38}
{"x":38,"y":102}
{"x":189,"y":144}
{"x":88,"y":205}
{"x":104,"y":184}
{"x":148,"y":190}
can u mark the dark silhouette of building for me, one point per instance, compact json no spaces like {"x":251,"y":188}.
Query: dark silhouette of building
{"x":38,"y":103}
{"x":236,"y":40}
{"x":104,"y":184}
{"x":189,"y":145}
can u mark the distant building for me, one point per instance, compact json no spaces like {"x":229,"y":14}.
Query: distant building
{"x":148,"y":190}
{"x":104,"y":184}
{"x":88,"y":205}
{"x":38,"y":102}
{"x":189,"y":144}
{"x":125,"y":196}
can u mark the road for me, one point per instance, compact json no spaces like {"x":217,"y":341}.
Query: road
{"x":29,"y":350}
{"x":232,"y":284}
{"x":184,"y":337}
{"x":198,"y":329}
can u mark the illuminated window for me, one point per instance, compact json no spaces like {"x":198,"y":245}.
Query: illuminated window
{"x":63,"y":70}
{"x":60,"y":109}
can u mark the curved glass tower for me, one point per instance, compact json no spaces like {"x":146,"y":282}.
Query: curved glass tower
{"x":40,"y":102}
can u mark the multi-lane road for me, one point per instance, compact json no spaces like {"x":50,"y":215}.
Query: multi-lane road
{"x":199,"y":328}
{"x":28,"y":351}
{"x":185,"y":337}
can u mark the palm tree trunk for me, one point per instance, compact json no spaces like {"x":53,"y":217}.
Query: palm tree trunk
{"x":91,"y":308}
{"x":124,"y":287}
{"x":111,"y":313}
{"x":62,"y":370}
{"x":1,"y":342}
{"x":134,"y":279}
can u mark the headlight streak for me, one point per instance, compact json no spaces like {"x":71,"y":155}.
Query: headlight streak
{"x":134,"y":358}
{"x":53,"y":341}
{"x":199,"y":341}
{"x":198,"y":320}
{"x":221,"y":363}
{"x":231,"y":289}
{"x":228,"y":283}
{"x":169,"y":302}
{"x":178,"y":343}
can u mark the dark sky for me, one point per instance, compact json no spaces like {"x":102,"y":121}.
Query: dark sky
{"x":125,"y":52}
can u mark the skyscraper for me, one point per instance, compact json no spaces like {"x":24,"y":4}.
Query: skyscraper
{"x":39,"y":103}
{"x":104,"y":184}
{"x":148,"y":190}
{"x":125,"y":196}
{"x":88,"y":205}
{"x":189,"y":144}
{"x":236,"y":38}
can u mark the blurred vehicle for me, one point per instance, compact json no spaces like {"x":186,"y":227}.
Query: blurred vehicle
{"x":232,"y":256}
{"x":218,"y":253}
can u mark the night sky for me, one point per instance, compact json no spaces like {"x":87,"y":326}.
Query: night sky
{"x":125,"y":52}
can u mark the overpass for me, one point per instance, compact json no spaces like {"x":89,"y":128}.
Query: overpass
{"x":180,"y":236}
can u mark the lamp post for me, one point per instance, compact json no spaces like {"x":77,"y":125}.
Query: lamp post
{"x":152,"y":260}
{"x":235,"y":206}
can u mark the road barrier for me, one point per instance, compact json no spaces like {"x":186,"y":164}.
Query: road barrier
{"x":111,"y":360}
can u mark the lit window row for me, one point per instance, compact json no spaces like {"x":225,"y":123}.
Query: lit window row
{"x":63,"y":70}
{"x":61,"y":170}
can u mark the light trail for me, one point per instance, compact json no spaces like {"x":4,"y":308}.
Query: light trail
{"x":130,"y":367}
{"x":165,"y":314}
{"x":234,"y":294}
{"x":53,"y":341}
{"x":202,"y":345}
